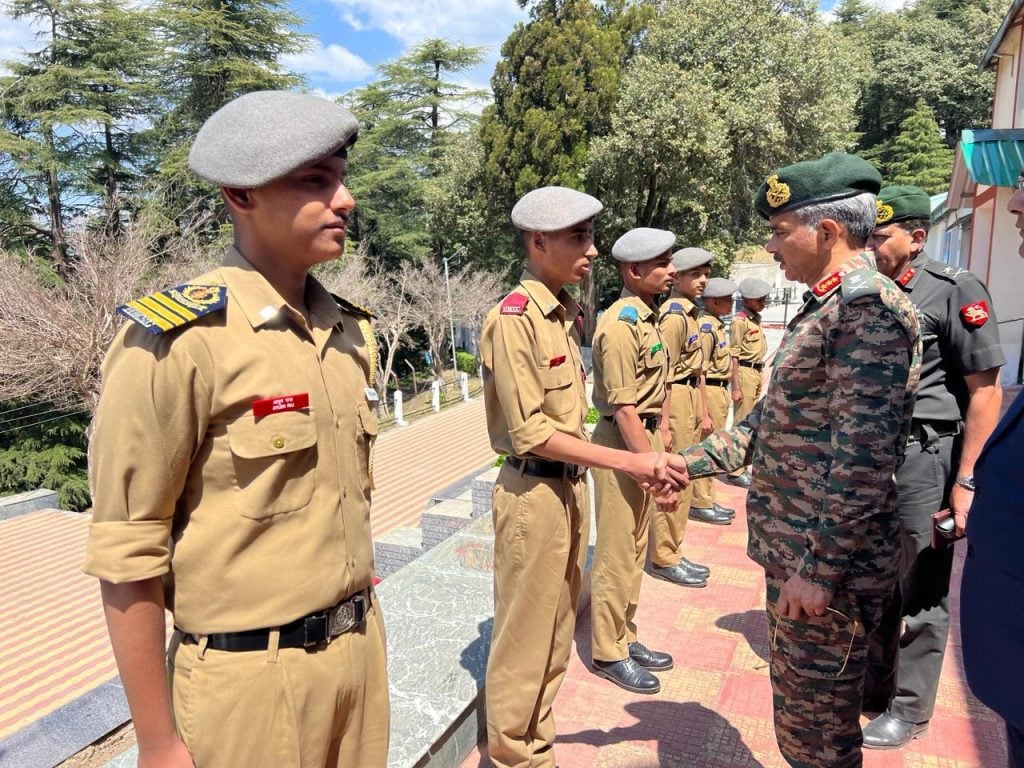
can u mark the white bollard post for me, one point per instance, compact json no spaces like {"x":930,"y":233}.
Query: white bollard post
{"x":435,"y":396}
{"x":465,"y":386}
{"x":399,"y":411}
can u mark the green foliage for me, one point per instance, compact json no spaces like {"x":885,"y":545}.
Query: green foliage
{"x":466,"y":362}
{"x":41,"y":450}
{"x":917,"y":154}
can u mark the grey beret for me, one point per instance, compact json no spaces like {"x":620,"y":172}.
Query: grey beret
{"x":719,"y":287}
{"x":688,"y":258}
{"x":265,"y":135}
{"x":550,"y":209}
{"x":753,"y":288}
{"x":642,"y":243}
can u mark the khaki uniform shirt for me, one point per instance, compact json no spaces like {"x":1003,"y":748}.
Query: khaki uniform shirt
{"x":747,"y":338}
{"x":678,"y":320}
{"x":630,"y":361}
{"x":715,"y":347}
{"x":533,"y":370}
{"x":253,"y":521}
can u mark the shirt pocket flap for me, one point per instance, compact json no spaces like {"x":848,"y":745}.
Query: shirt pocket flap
{"x":368,"y":420}
{"x":557,"y":377}
{"x":273,"y":435}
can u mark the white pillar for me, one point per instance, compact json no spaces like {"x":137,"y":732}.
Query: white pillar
{"x":435,"y":395}
{"x":399,"y":411}
{"x":464,"y":379}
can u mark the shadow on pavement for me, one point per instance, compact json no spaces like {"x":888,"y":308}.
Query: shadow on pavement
{"x":753,"y":625}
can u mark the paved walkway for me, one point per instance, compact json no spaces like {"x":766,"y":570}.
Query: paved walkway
{"x":714,"y":709}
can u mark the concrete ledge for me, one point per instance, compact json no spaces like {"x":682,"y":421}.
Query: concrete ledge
{"x":483,"y":486}
{"x":396,"y":549}
{"x":445,"y":518}
{"x":23,"y":503}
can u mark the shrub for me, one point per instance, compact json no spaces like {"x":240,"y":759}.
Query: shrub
{"x":466,"y":362}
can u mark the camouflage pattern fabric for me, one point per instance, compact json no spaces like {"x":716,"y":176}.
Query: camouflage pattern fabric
{"x":824,"y":444}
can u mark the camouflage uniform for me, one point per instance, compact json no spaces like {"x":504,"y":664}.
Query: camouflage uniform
{"x":824,"y":444}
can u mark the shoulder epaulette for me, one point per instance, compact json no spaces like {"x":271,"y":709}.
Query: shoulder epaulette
{"x":629,"y":315}
{"x":741,"y":315}
{"x":859,"y":283}
{"x":706,"y":327}
{"x":945,"y":271}
{"x":350,"y":307}
{"x":514,"y":304}
{"x":175,"y":307}
{"x":826,"y":285}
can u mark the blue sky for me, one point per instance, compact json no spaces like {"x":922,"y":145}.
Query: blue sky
{"x":351,"y":37}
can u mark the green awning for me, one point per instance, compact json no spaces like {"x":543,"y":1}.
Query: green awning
{"x":994,"y":157}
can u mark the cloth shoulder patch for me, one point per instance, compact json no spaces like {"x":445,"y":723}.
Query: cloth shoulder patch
{"x":175,"y":307}
{"x":858,"y":284}
{"x":629,"y":315}
{"x":706,"y":327}
{"x":350,"y":307}
{"x":741,"y":315}
{"x":976,"y":314}
{"x":514,"y":304}
{"x":676,"y":308}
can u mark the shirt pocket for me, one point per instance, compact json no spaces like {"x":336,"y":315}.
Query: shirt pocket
{"x":559,"y":395}
{"x":275,"y":463}
{"x":367,"y":429}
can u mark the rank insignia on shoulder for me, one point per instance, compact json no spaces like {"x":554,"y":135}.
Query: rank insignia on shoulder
{"x":172,"y":308}
{"x":857,"y":284}
{"x":976,"y":314}
{"x":706,"y":327}
{"x":906,"y":277}
{"x":514,"y":304}
{"x":629,"y":315}
{"x":826,"y":285}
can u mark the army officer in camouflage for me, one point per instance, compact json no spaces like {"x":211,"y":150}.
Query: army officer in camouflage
{"x":824,"y":443}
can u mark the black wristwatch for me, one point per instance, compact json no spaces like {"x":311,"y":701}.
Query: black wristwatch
{"x":966,"y":482}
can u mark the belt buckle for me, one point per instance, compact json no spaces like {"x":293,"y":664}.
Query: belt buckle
{"x":316,"y":630}
{"x":346,"y":616}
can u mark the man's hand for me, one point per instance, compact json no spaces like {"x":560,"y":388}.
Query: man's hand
{"x":666,"y":501}
{"x":960,"y":500}
{"x":657,"y":472}
{"x":170,"y":754}
{"x":706,"y":425}
{"x":666,"y":436}
{"x":737,"y":394}
{"x":798,"y":597}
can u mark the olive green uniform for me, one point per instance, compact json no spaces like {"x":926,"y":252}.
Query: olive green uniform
{"x":679,"y":329}
{"x":630,"y":368}
{"x":717,"y":367}
{"x":533,"y":387}
{"x":230,"y":456}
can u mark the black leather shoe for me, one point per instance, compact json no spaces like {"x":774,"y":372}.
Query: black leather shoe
{"x":888,"y":732}
{"x":730,"y":513}
{"x":708,"y":515}
{"x":703,"y":570}
{"x":737,"y":481}
{"x":629,"y":675}
{"x":679,"y":574}
{"x":649,"y":659}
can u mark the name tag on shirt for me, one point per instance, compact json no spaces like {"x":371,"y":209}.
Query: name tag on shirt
{"x":371,"y":394}
{"x":270,"y":405}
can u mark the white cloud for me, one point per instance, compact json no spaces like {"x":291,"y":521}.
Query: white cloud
{"x":334,"y":63}
{"x":473,"y":22}
{"x":16,"y":36}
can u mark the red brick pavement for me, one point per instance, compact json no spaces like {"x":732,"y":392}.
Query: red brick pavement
{"x":714,"y":709}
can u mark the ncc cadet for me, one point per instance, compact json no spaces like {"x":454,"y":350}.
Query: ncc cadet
{"x":631,"y":393}
{"x":957,"y":407}
{"x":717,"y":374}
{"x":748,"y":351}
{"x":536,"y":407}
{"x":836,"y":416}
{"x":229,"y":469}
{"x":679,"y":329}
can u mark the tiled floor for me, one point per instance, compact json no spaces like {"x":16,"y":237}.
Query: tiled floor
{"x":714,"y":709}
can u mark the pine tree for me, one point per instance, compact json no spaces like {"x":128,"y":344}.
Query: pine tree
{"x":918,"y":155}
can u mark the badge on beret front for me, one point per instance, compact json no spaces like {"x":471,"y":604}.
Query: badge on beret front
{"x":976,"y":314}
{"x":778,"y":191}
{"x":165,"y":310}
{"x":885,"y":212}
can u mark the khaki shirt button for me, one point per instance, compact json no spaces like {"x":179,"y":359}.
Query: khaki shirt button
{"x":278,"y":442}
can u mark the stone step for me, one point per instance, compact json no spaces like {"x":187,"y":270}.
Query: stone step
{"x":396,"y":549}
{"x":443,"y":519}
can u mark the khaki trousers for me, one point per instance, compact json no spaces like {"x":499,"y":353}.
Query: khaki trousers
{"x":284,"y":708}
{"x":718,"y":409}
{"x":541,"y":529}
{"x":669,"y":528}
{"x":623,"y":518}
{"x":750,"y":387}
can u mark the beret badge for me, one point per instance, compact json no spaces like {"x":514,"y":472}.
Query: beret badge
{"x":885,"y":212}
{"x":778,"y":191}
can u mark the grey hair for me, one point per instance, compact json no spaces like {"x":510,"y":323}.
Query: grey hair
{"x":857,"y":214}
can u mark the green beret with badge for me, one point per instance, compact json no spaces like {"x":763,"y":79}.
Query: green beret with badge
{"x":902,"y":202}
{"x":835,"y":176}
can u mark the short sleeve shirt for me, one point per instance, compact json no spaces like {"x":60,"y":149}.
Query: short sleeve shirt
{"x":630,"y":361}
{"x":747,"y":338}
{"x":534,"y":382}
{"x":678,"y":321}
{"x":253,"y":516}
{"x":715,"y":346}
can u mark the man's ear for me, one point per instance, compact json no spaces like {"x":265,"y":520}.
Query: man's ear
{"x":830,"y":232}
{"x":918,"y":238}
{"x":238,"y":199}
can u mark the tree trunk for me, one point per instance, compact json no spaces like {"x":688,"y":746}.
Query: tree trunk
{"x":58,"y":242}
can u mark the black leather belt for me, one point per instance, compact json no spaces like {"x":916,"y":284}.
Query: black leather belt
{"x":755,"y":366}
{"x":691,"y":381}
{"x":544,"y":468}
{"x":717,"y":382}
{"x":924,"y":431}
{"x":649,"y":422}
{"x":309,"y":632}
